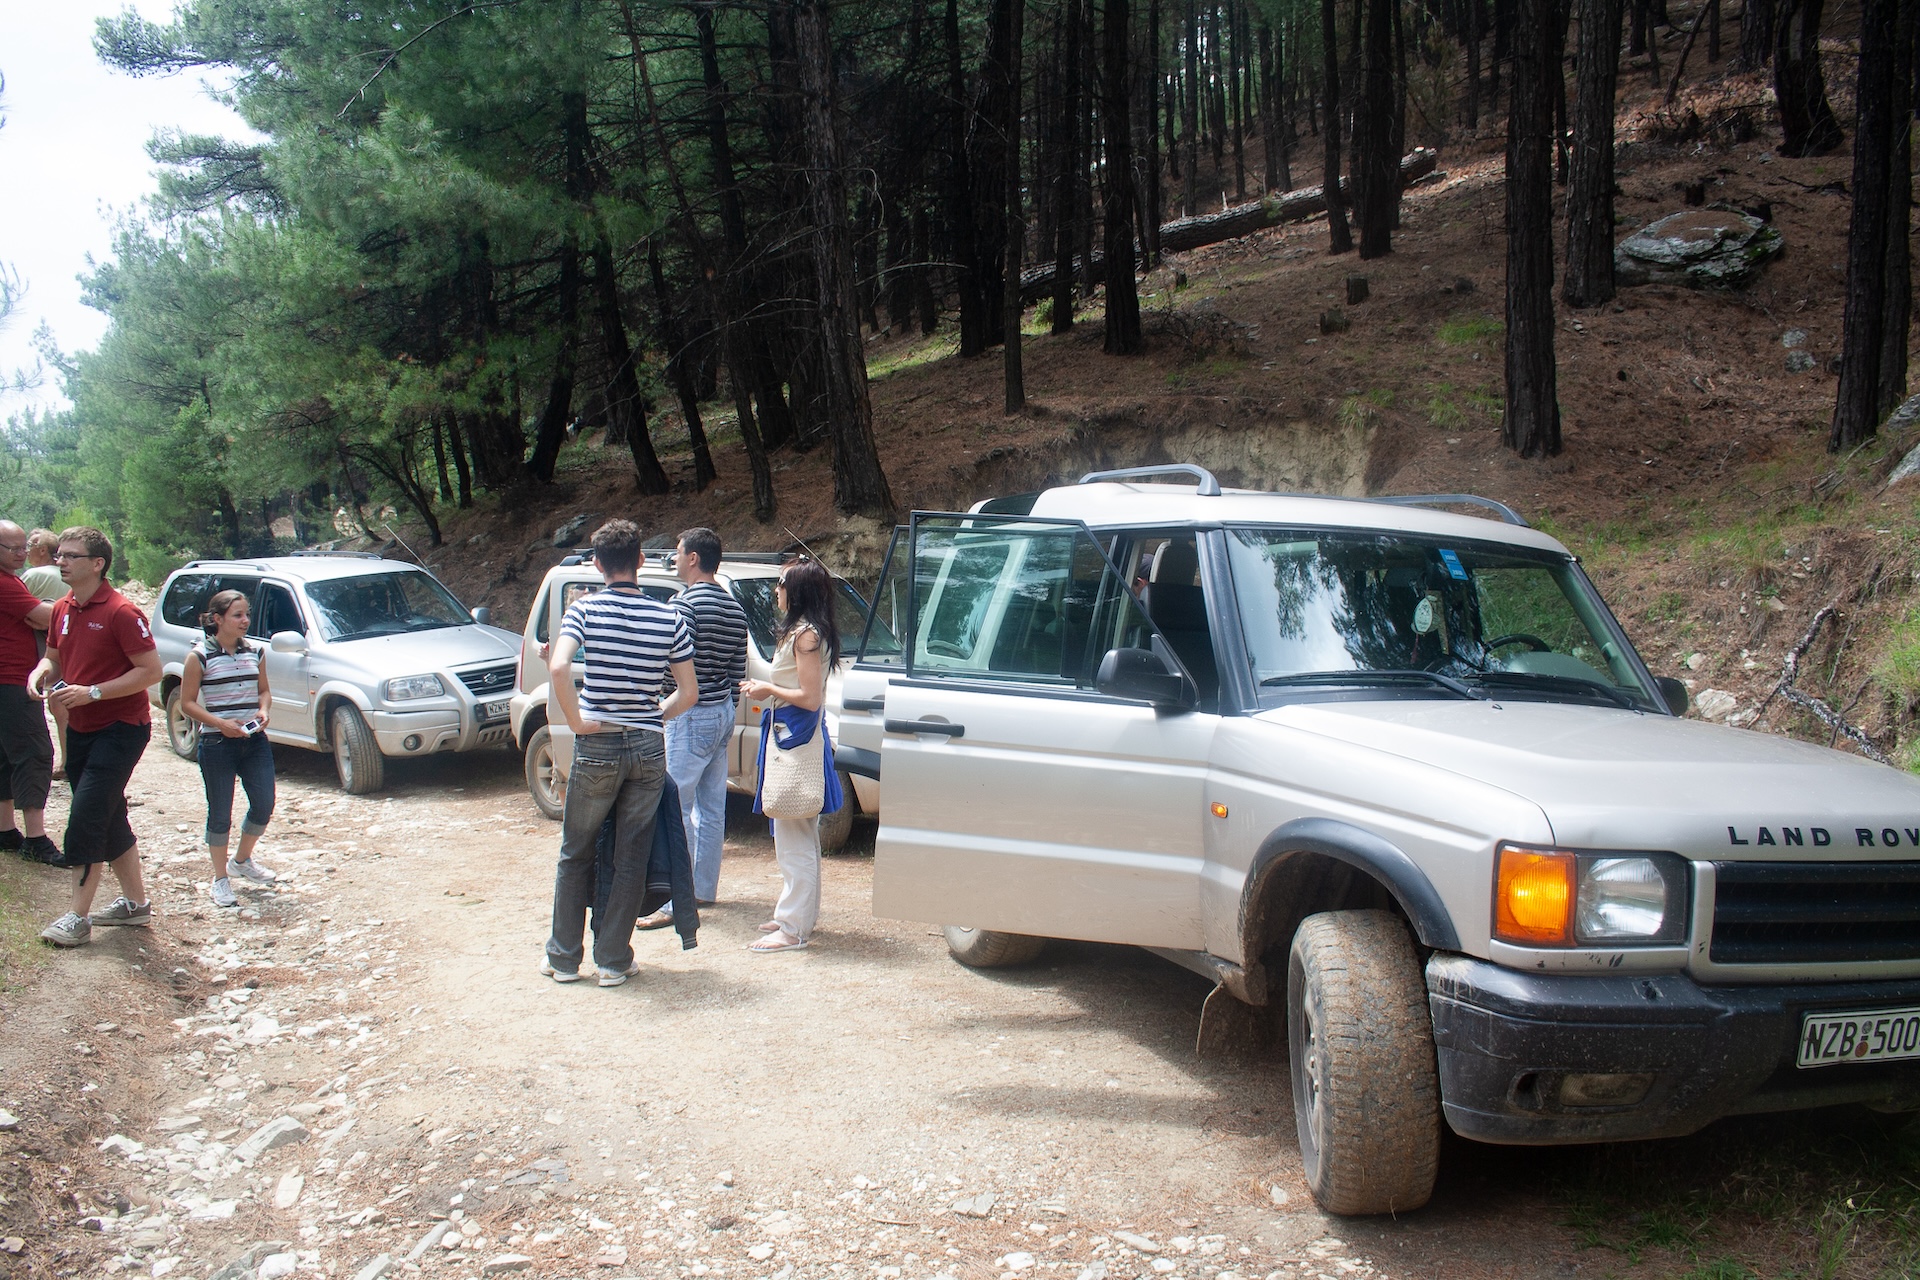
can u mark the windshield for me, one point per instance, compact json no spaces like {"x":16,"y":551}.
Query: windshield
{"x":384,"y":604}
{"x":763,"y":618}
{"x":1491,"y":621}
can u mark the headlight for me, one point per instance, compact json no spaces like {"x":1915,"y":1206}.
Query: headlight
{"x":408,"y":687}
{"x":1560,"y":898}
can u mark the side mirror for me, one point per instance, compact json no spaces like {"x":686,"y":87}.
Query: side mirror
{"x":1144,"y":676}
{"x":483,"y":616}
{"x":288,"y":642}
{"x":1674,"y":692}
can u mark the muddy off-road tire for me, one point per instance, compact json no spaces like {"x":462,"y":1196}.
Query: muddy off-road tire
{"x":1366,"y":1094}
{"x":183,"y":735}
{"x":544,"y":784}
{"x":356,"y":753}
{"x":985,"y":949}
{"x":835,"y":827}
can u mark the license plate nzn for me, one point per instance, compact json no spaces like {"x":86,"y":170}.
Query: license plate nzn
{"x":1874,"y":1035}
{"x":495,"y":710}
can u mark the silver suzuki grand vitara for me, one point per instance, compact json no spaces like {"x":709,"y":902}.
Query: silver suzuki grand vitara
{"x":1396,"y":772}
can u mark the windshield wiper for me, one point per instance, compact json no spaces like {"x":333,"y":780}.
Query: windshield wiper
{"x":1407,"y":676}
{"x":1561,"y":684}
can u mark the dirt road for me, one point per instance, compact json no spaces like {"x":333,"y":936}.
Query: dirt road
{"x":866,"y":1108}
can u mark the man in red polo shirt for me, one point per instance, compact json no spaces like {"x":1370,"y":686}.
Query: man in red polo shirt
{"x":26,"y":752}
{"x":100,"y":662}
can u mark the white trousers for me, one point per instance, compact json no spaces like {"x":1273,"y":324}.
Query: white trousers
{"x":796,"y":850}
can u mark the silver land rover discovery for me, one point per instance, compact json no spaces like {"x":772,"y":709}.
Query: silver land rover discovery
{"x":1397,"y":774}
{"x":367,"y":658}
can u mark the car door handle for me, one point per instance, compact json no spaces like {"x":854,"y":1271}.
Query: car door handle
{"x":926,"y":726}
{"x":863,"y":704}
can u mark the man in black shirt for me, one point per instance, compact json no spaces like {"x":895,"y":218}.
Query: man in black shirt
{"x":697,"y":741}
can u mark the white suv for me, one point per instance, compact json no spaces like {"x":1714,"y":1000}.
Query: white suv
{"x":548,"y":744}
{"x":1398,"y":775}
{"x":367,"y":658}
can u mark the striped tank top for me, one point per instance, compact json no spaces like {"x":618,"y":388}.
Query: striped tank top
{"x":230,"y":682}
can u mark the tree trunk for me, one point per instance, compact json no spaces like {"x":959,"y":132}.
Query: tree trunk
{"x":1156,"y":206}
{"x":1190,"y":115}
{"x":551,"y":431}
{"x":1236,"y":64}
{"x":626,"y":408}
{"x":1123,"y":297}
{"x":1016,"y":229}
{"x":960,"y":196}
{"x":1375,"y":180}
{"x":1532,"y":424}
{"x":439,"y":469}
{"x":1589,"y":280}
{"x":1898,"y":309}
{"x":1340,"y":238}
{"x":924,"y":301}
{"x":463,"y":478}
{"x":1856,"y":408}
{"x":859,"y":485}
{"x":678,"y":373}
{"x":1072,"y":167}
{"x":1476,"y":33}
{"x":1807,"y":126}
{"x":1756,"y":34}
{"x":1713,"y":31}
{"x":229,"y":521}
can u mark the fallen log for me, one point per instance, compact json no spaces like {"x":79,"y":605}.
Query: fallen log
{"x":1193,"y":233}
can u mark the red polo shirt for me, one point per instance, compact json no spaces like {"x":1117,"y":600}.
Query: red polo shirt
{"x":94,"y":641}
{"x":19,"y":654}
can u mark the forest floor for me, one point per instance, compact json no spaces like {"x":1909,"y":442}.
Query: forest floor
{"x":854,"y":1095}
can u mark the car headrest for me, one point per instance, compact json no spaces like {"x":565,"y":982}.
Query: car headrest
{"x":1177,"y":562}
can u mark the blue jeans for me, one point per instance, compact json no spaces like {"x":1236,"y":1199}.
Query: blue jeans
{"x":621,"y":772}
{"x":697,"y":758}
{"x":222,"y":759}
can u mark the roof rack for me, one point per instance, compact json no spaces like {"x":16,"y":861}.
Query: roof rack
{"x":666,"y":557}
{"x":254,"y":565}
{"x":1208,"y":487}
{"x":1500,"y":509}
{"x":350,"y":555}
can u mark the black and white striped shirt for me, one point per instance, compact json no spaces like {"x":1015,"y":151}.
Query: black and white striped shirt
{"x":627,"y":642}
{"x":229,"y":682}
{"x":719,"y":627}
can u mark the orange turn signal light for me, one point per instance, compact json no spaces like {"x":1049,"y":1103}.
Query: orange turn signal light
{"x":1219,"y":810}
{"x":1533,"y":896}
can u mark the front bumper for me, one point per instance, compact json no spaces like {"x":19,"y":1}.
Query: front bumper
{"x":437,"y":729}
{"x":1506,"y":1039}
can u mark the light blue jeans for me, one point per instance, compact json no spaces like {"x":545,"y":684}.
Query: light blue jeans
{"x":697,"y":761}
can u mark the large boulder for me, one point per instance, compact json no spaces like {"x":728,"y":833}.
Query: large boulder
{"x":1698,"y":248}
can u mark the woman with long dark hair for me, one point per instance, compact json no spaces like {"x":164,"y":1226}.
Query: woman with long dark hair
{"x":224,"y":690}
{"x":809,"y":645}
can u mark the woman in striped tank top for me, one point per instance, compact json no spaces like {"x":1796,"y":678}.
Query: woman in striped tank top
{"x":224,"y":690}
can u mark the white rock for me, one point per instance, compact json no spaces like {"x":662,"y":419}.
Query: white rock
{"x":1715,"y":704}
{"x":378,"y":1267}
{"x":8,"y":1121}
{"x":163,"y":1265}
{"x":177,"y":1124}
{"x":287,"y":1194}
{"x":1280,"y":1197}
{"x":1696,"y":660}
{"x":504,"y":1263}
{"x":760,"y":1252}
{"x":1164,"y":1265}
{"x":1018,"y":1261}
{"x":1139,"y":1244}
{"x":277,"y":1132}
{"x":724,"y":1178}
{"x":276,"y":1265}
{"x":121,"y":1143}
{"x":217,"y":1211}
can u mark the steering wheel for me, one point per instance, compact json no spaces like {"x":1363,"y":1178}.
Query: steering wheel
{"x":1534,"y":643}
{"x":945,"y":649}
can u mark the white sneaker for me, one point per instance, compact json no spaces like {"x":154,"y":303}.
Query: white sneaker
{"x":252,"y":871}
{"x":223,"y":895}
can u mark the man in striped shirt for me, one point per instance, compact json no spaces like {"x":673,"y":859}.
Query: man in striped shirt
{"x":628,"y":645}
{"x":697,"y":742}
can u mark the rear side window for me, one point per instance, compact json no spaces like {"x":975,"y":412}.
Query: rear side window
{"x":186,"y":597}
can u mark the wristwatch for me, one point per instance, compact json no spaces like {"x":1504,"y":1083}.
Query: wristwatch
{"x":93,"y":691}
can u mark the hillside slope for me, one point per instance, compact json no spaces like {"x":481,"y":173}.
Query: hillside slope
{"x":1694,"y":481}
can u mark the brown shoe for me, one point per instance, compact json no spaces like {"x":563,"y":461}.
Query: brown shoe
{"x":658,"y":920}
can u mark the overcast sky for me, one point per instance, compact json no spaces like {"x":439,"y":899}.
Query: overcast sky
{"x":73,"y":160}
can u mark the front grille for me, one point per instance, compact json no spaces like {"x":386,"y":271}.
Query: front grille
{"x":1815,"y":912}
{"x":489,"y":682}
